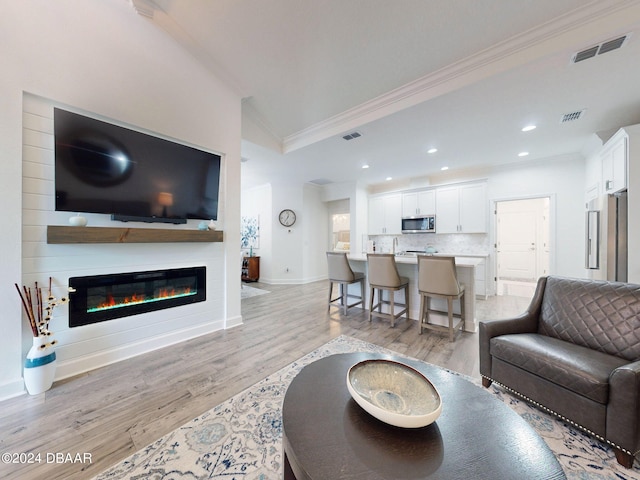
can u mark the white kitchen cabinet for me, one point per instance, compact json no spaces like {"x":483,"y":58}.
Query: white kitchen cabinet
{"x":473,"y":208}
{"x":614,"y":163}
{"x":385,"y":215}
{"x":461,"y":209}
{"x":419,"y":203}
{"x":447,"y":210}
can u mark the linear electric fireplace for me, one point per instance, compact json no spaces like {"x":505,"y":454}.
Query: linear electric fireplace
{"x":105,"y":297}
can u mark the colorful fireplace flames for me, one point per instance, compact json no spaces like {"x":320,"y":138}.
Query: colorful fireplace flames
{"x":98,"y":298}
{"x":160,"y":295}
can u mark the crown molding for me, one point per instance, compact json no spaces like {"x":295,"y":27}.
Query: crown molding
{"x":145,"y":8}
{"x":572,"y":29}
{"x":258,"y":119}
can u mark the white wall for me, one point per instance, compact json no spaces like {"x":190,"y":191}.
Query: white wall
{"x":633,"y":241}
{"x":101,"y":57}
{"x":296,"y":254}
{"x":287,"y":242}
{"x":593,"y":173}
{"x":563,"y":181}
{"x":360,"y":203}
{"x":315,"y":215}
{"x":296,"y":250}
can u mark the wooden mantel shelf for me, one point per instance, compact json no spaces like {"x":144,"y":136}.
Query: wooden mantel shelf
{"x":66,"y":234}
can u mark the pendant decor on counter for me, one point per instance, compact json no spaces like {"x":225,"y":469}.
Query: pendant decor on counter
{"x":40,"y":364}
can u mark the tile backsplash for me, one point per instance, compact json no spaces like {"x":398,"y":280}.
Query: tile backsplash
{"x":456,"y":244}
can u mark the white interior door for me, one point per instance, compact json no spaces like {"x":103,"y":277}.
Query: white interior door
{"x":522,"y":245}
{"x":517,"y":245}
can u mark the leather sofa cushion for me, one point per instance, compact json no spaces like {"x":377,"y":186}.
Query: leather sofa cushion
{"x":576,"y":368}
{"x":603,"y":316}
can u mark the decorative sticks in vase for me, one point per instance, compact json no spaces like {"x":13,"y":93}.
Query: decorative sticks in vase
{"x":39,"y":311}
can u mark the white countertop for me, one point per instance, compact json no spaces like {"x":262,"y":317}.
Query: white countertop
{"x":473,"y":255}
{"x":461,"y":260}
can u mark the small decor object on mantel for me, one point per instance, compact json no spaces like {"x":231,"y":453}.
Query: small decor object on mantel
{"x":212,"y":225}
{"x":78,"y":221}
{"x":40,"y":364}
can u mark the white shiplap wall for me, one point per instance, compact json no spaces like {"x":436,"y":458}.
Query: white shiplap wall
{"x":84,"y":348}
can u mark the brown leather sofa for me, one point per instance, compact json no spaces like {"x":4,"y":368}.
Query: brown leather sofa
{"x":575,"y":353}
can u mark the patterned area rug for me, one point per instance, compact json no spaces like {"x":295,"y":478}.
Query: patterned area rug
{"x":242,"y":437}
{"x":247,"y":292}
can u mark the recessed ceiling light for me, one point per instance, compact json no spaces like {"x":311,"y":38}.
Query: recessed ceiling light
{"x":523,"y":154}
{"x":389,"y":178}
{"x":528,"y":128}
{"x":432,"y":150}
{"x":365,"y":166}
{"x":444,"y":168}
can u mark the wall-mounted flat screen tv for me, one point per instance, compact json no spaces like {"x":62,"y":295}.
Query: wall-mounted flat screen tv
{"x":105,"y":168}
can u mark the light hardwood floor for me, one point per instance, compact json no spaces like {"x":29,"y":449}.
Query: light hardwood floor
{"x":114,"y":411}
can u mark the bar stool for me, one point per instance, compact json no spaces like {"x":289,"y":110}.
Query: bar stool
{"x":340,"y":272}
{"x":437,"y":279}
{"x":383,"y":275}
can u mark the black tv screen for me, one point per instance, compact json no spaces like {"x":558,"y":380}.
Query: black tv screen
{"x":105,"y":168}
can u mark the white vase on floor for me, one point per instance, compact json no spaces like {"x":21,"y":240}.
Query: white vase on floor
{"x":40,"y":366}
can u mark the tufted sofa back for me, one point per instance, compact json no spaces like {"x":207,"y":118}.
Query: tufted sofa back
{"x":603,"y":316}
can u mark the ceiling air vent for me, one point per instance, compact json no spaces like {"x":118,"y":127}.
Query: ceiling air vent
{"x":572,"y":117}
{"x":321,"y":181}
{"x":612,"y":45}
{"x":604,"y":47}
{"x":585,"y":54}
{"x":352,"y":135}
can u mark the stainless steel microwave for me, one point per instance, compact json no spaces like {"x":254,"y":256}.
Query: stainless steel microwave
{"x":425,"y":224}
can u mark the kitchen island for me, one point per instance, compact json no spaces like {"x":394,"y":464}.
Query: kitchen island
{"x":408,"y":267}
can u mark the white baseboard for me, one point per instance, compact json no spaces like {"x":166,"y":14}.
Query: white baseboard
{"x":233,"y":322}
{"x":86,"y":363}
{"x":292,"y":281}
{"x":315,"y":279}
{"x":12,"y":389}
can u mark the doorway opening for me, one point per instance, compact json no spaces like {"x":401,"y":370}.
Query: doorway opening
{"x":341,"y":232}
{"x":339,"y":225}
{"x":522,"y":245}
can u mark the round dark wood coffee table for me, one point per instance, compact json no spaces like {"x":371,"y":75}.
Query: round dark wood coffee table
{"x":327,"y":435}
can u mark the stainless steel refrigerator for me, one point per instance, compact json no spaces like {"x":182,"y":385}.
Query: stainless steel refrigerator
{"x":606,"y":238}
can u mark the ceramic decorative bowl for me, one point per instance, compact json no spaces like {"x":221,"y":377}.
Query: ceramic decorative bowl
{"x":394,"y":393}
{"x":78,"y":221}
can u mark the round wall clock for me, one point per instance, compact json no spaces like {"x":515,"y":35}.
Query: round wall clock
{"x":287,"y":217}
